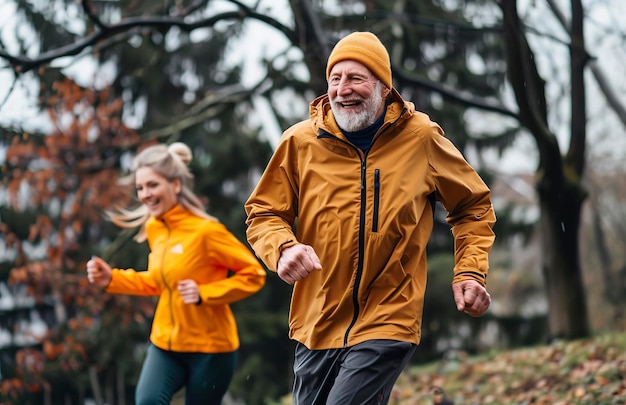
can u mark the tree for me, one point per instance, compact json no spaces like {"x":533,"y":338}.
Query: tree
{"x":54,"y":215}
{"x":603,"y":243}
{"x":560,"y":191}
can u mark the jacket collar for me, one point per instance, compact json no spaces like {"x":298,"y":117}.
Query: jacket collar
{"x":175,"y":214}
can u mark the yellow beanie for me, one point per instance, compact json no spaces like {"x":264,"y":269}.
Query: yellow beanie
{"x":366,"y":48}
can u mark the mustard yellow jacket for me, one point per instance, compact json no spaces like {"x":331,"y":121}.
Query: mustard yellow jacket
{"x":185,"y":246}
{"x":369,"y":218}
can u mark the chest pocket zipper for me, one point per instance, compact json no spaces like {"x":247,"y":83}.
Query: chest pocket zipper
{"x":376,"y":200}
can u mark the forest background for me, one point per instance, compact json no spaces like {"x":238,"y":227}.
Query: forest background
{"x":531,"y":91}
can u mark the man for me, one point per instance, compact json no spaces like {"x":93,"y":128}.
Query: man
{"x":361,"y":177}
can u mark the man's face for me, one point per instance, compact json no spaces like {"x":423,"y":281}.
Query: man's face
{"x":357,"y":97}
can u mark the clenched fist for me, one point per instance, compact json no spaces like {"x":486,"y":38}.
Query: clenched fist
{"x":98,"y":272}
{"x":189,"y":291}
{"x":471,"y":297}
{"x":296,"y":262}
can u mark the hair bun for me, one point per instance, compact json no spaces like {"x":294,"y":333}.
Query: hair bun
{"x":181,"y":150}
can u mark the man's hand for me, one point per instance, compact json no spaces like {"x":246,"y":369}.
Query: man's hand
{"x":471,"y":297}
{"x":296,"y":262}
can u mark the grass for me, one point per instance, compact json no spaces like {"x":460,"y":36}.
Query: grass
{"x":589,"y":371}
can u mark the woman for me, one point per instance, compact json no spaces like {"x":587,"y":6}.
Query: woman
{"x":194,"y":339}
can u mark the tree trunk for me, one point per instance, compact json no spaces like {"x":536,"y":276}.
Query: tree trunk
{"x":608,"y":267}
{"x":119,"y":382}
{"x":95,"y":385}
{"x":559,"y":184}
{"x":560,"y":228}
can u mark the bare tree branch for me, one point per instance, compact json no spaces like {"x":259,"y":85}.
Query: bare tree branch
{"x":6,"y":97}
{"x":23,"y":64}
{"x":88,"y":10}
{"x":209,"y":107}
{"x":454,"y":94}
{"x":195,"y":6}
{"x":597,"y":72}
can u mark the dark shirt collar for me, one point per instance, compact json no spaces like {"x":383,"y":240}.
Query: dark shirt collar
{"x":363,"y":138}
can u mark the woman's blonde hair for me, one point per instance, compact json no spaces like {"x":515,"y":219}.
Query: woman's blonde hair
{"x":171,"y":163}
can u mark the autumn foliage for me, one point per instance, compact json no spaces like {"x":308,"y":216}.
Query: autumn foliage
{"x":585,"y":371}
{"x":58,"y":185}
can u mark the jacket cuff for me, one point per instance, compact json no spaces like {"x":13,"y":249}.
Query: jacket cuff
{"x":470,"y":275}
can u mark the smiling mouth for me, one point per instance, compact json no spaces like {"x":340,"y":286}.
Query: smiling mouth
{"x":353,"y":103}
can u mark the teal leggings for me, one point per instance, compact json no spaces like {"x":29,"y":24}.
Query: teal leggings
{"x":206,"y":377}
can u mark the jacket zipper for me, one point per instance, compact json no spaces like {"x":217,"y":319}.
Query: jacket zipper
{"x":167,"y":286}
{"x":359,"y":269}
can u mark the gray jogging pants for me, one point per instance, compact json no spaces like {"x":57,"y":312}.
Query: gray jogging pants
{"x":363,"y":374}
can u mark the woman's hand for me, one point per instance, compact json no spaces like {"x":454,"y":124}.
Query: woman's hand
{"x":98,"y":272}
{"x":189,"y":291}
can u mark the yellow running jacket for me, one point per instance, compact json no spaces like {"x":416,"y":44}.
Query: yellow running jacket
{"x":368,"y":217}
{"x":185,"y":246}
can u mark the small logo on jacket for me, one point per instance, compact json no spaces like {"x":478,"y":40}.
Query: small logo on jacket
{"x":177,"y":249}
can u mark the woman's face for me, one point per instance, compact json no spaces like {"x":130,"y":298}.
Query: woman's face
{"x":154,"y":191}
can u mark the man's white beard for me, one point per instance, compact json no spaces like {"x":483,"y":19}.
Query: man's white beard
{"x":351,"y":121}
